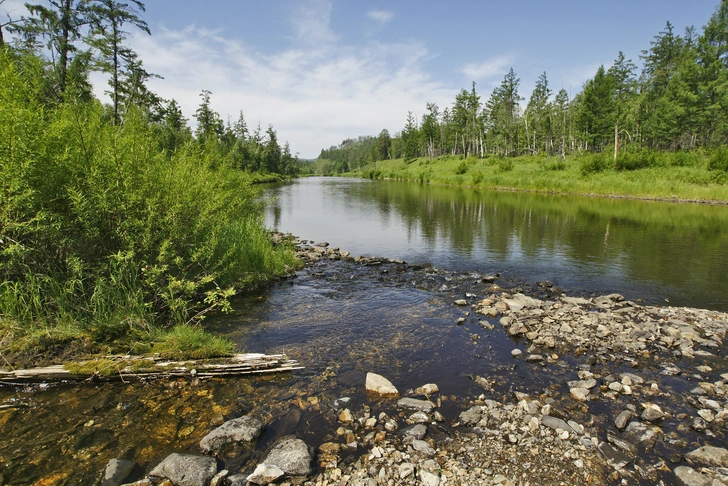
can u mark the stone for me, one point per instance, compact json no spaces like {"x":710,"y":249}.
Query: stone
{"x":419,"y":418}
{"x":417,"y":431}
{"x":236,"y":431}
{"x":519,"y":302}
{"x":429,"y":479}
{"x":687,"y":476}
{"x":516,"y":353}
{"x":186,"y":469}
{"x":237,"y":480}
{"x":379,"y":385}
{"x":406,"y":469}
{"x":292,"y":456}
{"x":117,"y":470}
{"x":415,"y":404}
{"x":623,"y":419}
{"x":428,"y":389}
{"x":580,"y":394}
{"x":556,"y":423}
{"x":471,"y":416}
{"x":613,"y":457}
{"x":517,"y":328}
{"x":534,"y":358}
{"x":652,"y":413}
{"x":423,"y":447}
{"x":708,"y":456}
{"x":461,"y":302}
{"x":346,"y":416}
{"x":219,"y":478}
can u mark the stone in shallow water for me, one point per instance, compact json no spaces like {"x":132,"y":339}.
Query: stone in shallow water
{"x":687,"y":476}
{"x":240,"y":430}
{"x":186,"y":469}
{"x":652,"y":413}
{"x":265,"y":473}
{"x":117,"y":470}
{"x":414,"y":404}
{"x":379,"y":385}
{"x":292,"y":456}
{"x":708,"y":456}
{"x":427,"y":389}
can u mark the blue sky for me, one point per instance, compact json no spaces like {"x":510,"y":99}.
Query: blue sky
{"x":321,"y":71}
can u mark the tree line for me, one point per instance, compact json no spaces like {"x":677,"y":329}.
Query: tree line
{"x":676,"y":102}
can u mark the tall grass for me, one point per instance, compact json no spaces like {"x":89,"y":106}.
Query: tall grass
{"x":103,"y":231}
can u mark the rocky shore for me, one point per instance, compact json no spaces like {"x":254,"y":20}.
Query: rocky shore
{"x":638,"y":396}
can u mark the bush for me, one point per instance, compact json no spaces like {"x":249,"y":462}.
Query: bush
{"x":593,"y":163}
{"x":477,"y":178}
{"x":462,"y":168}
{"x":505,"y":165}
{"x":718,"y":160}
{"x":101,"y":228}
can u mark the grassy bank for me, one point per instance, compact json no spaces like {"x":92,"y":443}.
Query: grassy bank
{"x":693,"y":176}
{"x":109,"y":241}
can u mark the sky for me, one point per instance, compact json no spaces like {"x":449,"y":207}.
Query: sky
{"x":322,"y":71}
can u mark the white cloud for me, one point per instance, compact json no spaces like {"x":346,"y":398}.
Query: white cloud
{"x":380,"y":16}
{"x":312,"y":22}
{"x":488,"y":68}
{"x":315,"y":96}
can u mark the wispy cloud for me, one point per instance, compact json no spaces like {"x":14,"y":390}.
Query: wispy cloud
{"x":380,"y":16}
{"x":312,"y":22}
{"x":487,"y":69}
{"x":314,"y":97}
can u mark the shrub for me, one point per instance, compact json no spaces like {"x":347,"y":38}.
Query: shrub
{"x":505,"y":165}
{"x":477,"y":178}
{"x":593,"y":163}
{"x":462,"y":168}
{"x":718,"y":160}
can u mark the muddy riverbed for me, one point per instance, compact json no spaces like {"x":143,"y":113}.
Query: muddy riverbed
{"x":534,"y":387}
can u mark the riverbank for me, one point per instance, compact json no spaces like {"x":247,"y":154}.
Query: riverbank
{"x":621,"y":393}
{"x":686,"y":179}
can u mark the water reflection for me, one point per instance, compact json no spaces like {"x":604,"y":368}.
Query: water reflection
{"x":644,"y":249}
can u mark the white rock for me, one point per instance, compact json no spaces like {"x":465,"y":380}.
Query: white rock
{"x":379,"y":385}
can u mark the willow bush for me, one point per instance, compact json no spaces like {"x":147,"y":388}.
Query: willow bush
{"x":102,"y":231}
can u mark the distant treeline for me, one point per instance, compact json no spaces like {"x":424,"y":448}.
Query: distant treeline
{"x":679,"y":101}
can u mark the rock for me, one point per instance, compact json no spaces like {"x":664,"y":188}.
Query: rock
{"x":623,"y":419}
{"x":580,"y":394}
{"x":379,"y":385}
{"x":517,"y":328}
{"x":461,"y":302}
{"x":429,"y":389}
{"x":429,"y":479}
{"x":520,"y":301}
{"x":186,"y":469}
{"x":219,"y":478}
{"x":613,"y":457}
{"x":415,"y":404}
{"x":423,"y":447}
{"x":346,"y":416}
{"x":419,"y":418}
{"x":708,"y":456}
{"x":406,"y":469}
{"x":342,"y":402}
{"x":471,"y":416}
{"x":516,"y":353}
{"x":292,"y":456}
{"x":116,"y":472}
{"x":240,"y":430}
{"x":652,"y":413}
{"x":556,"y":423}
{"x":265,"y":473}
{"x":417,"y":431}
{"x":687,"y":476}
{"x":237,"y":480}
{"x":534,"y":358}
{"x":626,"y":446}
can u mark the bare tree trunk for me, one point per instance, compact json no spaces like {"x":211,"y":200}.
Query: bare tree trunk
{"x":616,"y":140}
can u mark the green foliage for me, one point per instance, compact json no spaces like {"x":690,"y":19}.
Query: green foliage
{"x":505,"y":165}
{"x":594,"y":163}
{"x":190,"y":342}
{"x":477,"y":178}
{"x":462,"y":168}
{"x":103,"y":228}
{"x":718,"y":160}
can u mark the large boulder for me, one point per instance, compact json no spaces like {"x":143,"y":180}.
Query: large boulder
{"x":236,"y":431}
{"x":291,"y":455}
{"x":379,"y":385}
{"x":186,"y":469}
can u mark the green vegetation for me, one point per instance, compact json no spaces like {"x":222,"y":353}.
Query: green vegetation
{"x":666,"y":175}
{"x":661,"y":133}
{"x":119,"y":229}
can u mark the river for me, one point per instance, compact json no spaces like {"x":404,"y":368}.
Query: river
{"x":655,"y":251}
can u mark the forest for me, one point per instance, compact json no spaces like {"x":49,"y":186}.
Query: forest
{"x":120,"y":227}
{"x":676,"y":103}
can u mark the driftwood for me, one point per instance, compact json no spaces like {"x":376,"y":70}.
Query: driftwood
{"x":131,"y":367}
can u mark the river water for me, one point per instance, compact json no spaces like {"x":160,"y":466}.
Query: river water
{"x":343,"y":320}
{"x":654,"y":251}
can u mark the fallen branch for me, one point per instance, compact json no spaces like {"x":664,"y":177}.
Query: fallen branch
{"x":130,"y":367}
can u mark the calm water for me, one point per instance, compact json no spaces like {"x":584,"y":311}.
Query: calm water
{"x":643,"y":249}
